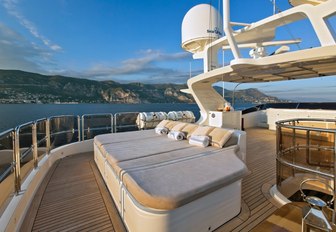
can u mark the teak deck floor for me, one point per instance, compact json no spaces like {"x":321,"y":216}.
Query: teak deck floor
{"x":73,"y":196}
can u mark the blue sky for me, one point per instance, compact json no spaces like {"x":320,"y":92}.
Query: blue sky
{"x":125,"y":41}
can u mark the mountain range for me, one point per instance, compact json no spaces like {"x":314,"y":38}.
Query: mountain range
{"x":25,"y":87}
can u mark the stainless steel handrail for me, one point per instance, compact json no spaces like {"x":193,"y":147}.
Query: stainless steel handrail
{"x":6,"y":132}
{"x":43,"y":127}
{"x":281,"y":151}
{"x":62,"y":116}
{"x":300,"y":167}
{"x":41,"y":131}
{"x":306,"y":120}
{"x":18,"y":156}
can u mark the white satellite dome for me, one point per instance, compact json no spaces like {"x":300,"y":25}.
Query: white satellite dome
{"x":201,"y":25}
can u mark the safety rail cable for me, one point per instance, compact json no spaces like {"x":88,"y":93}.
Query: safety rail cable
{"x":281,"y":151}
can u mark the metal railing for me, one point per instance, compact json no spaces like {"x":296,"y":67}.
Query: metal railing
{"x":23,"y":147}
{"x":305,"y":148}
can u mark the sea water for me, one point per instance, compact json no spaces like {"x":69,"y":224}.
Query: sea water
{"x":12,"y":115}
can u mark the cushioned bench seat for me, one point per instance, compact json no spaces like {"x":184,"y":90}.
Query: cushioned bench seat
{"x":170,"y":185}
{"x":165,"y":157}
{"x":159,"y":184}
{"x":106,"y":139}
{"x":143,"y":147}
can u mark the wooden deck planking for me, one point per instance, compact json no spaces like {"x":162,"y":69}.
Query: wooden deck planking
{"x":72,"y":199}
{"x":260,"y":160}
{"x":76,"y":199}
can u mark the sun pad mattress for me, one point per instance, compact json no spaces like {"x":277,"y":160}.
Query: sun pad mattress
{"x":165,"y":174}
{"x":173,"y":184}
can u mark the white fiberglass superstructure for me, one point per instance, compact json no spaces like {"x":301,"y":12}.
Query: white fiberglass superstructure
{"x":259,"y":67}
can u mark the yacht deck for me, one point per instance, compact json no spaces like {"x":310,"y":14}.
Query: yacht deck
{"x":74,"y":197}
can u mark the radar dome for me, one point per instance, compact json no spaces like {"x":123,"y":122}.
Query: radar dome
{"x":201,"y":25}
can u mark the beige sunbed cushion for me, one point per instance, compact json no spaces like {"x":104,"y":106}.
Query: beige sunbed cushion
{"x":113,"y":138}
{"x":189,"y":129}
{"x":171,"y":124}
{"x":163,"y":123}
{"x":219,"y":136}
{"x":171,"y":185}
{"x":179,"y":126}
{"x":202,"y":130}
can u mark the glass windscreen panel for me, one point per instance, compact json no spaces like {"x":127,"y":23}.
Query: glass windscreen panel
{"x":26,"y":149}
{"x":126,"y":121}
{"x":63,"y":130}
{"x":96,"y":124}
{"x":6,"y":170}
{"x":41,"y":138}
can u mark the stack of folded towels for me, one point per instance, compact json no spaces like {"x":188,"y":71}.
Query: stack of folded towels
{"x":199,"y":140}
{"x":197,"y":135}
{"x":161,"y":130}
{"x":177,"y":135}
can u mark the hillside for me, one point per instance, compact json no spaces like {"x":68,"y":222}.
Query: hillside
{"x":24,"y":87}
{"x":251,"y":95}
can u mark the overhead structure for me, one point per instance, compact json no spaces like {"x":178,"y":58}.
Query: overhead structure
{"x":281,"y":65}
{"x":301,"y":2}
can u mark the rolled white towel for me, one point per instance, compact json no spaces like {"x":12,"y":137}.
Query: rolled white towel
{"x":161,"y":130}
{"x":177,"y":135}
{"x":199,"y":140}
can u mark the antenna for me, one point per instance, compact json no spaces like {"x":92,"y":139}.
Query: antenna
{"x":274,"y":7}
{"x":223,"y":87}
{"x":189,"y":69}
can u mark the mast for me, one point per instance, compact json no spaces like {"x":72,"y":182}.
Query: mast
{"x":228,"y":30}
{"x":274,"y":7}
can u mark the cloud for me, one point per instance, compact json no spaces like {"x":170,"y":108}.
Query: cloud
{"x":143,"y":64}
{"x":11,"y":7}
{"x":148,"y":68}
{"x":18,"y":53}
